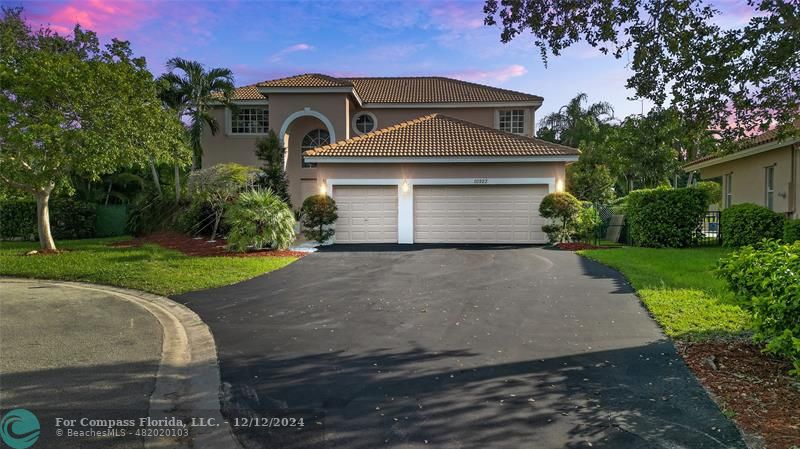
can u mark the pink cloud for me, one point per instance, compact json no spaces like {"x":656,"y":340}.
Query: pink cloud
{"x":291,"y":49}
{"x":498,"y":75}
{"x":458,"y":15}
{"x":97,"y":15}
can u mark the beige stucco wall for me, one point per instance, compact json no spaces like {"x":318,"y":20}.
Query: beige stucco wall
{"x":748,"y":178}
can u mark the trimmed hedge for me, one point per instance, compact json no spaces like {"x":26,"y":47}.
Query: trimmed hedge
{"x":791,"y":231}
{"x":69,"y":219}
{"x":666,"y":217}
{"x":764,"y":279}
{"x":748,"y":224}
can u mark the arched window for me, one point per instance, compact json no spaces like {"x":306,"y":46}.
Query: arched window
{"x":315,"y":138}
{"x":364,"y":122}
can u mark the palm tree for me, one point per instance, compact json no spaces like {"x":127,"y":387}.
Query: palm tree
{"x":201,"y":90}
{"x":573,"y":122}
{"x":177,"y":101}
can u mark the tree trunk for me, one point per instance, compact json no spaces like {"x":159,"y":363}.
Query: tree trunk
{"x":43,"y":219}
{"x":216,"y":225}
{"x":177,"y":183}
{"x":156,"y":180}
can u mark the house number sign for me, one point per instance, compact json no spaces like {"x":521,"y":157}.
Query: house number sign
{"x":481,"y":181}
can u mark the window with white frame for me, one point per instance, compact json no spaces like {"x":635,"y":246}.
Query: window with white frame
{"x":250,"y":120}
{"x":769,"y":187}
{"x":315,"y":138}
{"x":728,"y":189}
{"x":364,"y":122}
{"x":512,"y":121}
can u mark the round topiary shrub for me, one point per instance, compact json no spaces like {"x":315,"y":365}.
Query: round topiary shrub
{"x":316,"y":215}
{"x":748,"y":224}
{"x":791,"y":231}
{"x":563,"y":209}
{"x":259,"y":219}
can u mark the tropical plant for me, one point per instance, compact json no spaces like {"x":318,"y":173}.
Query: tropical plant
{"x":219,"y":185}
{"x":68,"y":107}
{"x":270,"y":151}
{"x":200,"y":89}
{"x":588,"y":223}
{"x":764,"y":279}
{"x":177,"y":101}
{"x":732,"y":79}
{"x":573,"y":122}
{"x":588,"y":179}
{"x":562,"y":208}
{"x":317,"y":214}
{"x":259,"y":219}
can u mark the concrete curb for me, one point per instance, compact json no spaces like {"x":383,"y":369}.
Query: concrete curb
{"x":188,"y":380}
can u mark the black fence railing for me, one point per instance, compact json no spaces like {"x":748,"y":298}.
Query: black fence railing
{"x":709,"y":233}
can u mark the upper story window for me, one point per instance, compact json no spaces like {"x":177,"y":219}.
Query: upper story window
{"x":250,"y":120}
{"x":728,"y":181}
{"x":315,"y":138}
{"x":364,"y":122}
{"x":769,"y":187}
{"x":512,"y":121}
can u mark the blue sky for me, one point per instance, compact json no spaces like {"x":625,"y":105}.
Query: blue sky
{"x":264,"y":40}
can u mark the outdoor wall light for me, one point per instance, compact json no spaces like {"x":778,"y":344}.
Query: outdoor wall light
{"x":323,"y":189}
{"x":405,"y":186}
{"x":559,"y":185}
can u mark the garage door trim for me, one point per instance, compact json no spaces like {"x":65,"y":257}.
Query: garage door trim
{"x":405,"y":196}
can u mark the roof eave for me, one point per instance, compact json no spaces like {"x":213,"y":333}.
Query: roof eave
{"x":769,"y":146}
{"x":445,"y":105}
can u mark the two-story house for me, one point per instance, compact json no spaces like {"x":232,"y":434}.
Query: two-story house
{"x":407,"y":159}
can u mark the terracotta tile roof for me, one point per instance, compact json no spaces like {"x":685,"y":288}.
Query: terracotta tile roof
{"x":247,"y":93}
{"x":307,"y":80}
{"x":760,"y":139}
{"x":432,"y":89}
{"x":438,"y":135}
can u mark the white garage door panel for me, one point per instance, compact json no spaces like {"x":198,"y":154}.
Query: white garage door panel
{"x":478,"y":214}
{"x":367,"y":214}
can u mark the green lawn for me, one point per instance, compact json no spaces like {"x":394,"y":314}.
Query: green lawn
{"x":679,"y":288}
{"x":150,"y":268}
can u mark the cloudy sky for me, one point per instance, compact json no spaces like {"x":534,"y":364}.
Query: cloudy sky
{"x":262,"y":40}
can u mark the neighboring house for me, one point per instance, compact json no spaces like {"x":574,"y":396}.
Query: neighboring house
{"x":764,"y":172}
{"x":409,"y":159}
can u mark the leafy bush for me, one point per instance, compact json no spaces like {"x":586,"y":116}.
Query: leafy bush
{"x":259,"y":219}
{"x":273,"y":176}
{"x":747,"y":224}
{"x":588,"y":223}
{"x":666,"y":217}
{"x":713,"y":191}
{"x":563,"y":209}
{"x":316,"y":215}
{"x":765,"y":281}
{"x":219,"y":185}
{"x":69,"y":219}
{"x":791,"y":231}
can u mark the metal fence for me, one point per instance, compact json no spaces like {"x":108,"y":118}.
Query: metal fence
{"x":709,"y":232}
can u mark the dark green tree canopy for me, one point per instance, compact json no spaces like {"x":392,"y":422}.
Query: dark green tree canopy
{"x":735,"y":81}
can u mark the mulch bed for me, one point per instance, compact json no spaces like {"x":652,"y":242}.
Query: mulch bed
{"x":753,"y":385}
{"x":201,"y":246}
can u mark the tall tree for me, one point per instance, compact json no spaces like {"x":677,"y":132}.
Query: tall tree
{"x":177,"y":102}
{"x":69,"y":107}
{"x":203,"y":89}
{"x":573,"y":122}
{"x":735,"y":80}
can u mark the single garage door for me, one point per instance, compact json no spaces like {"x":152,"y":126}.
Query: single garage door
{"x":478,"y":214}
{"x":367,"y":214}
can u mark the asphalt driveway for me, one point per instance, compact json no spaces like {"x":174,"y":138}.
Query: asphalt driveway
{"x":454,"y":347}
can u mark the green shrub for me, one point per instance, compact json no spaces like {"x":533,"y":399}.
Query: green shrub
{"x":747,"y":224}
{"x":316,"y":216}
{"x":713,"y":191}
{"x":69,"y":219}
{"x":259,"y":219}
{"x":588,"y":224}
{"x":791,"y":231}
{"x":765,"y":281}
{"x":219,"y":185}
{"x":666,"y":217}
{"x":563,"y":209}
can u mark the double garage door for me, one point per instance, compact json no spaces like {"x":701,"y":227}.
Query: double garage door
{"x":442,"y":214}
